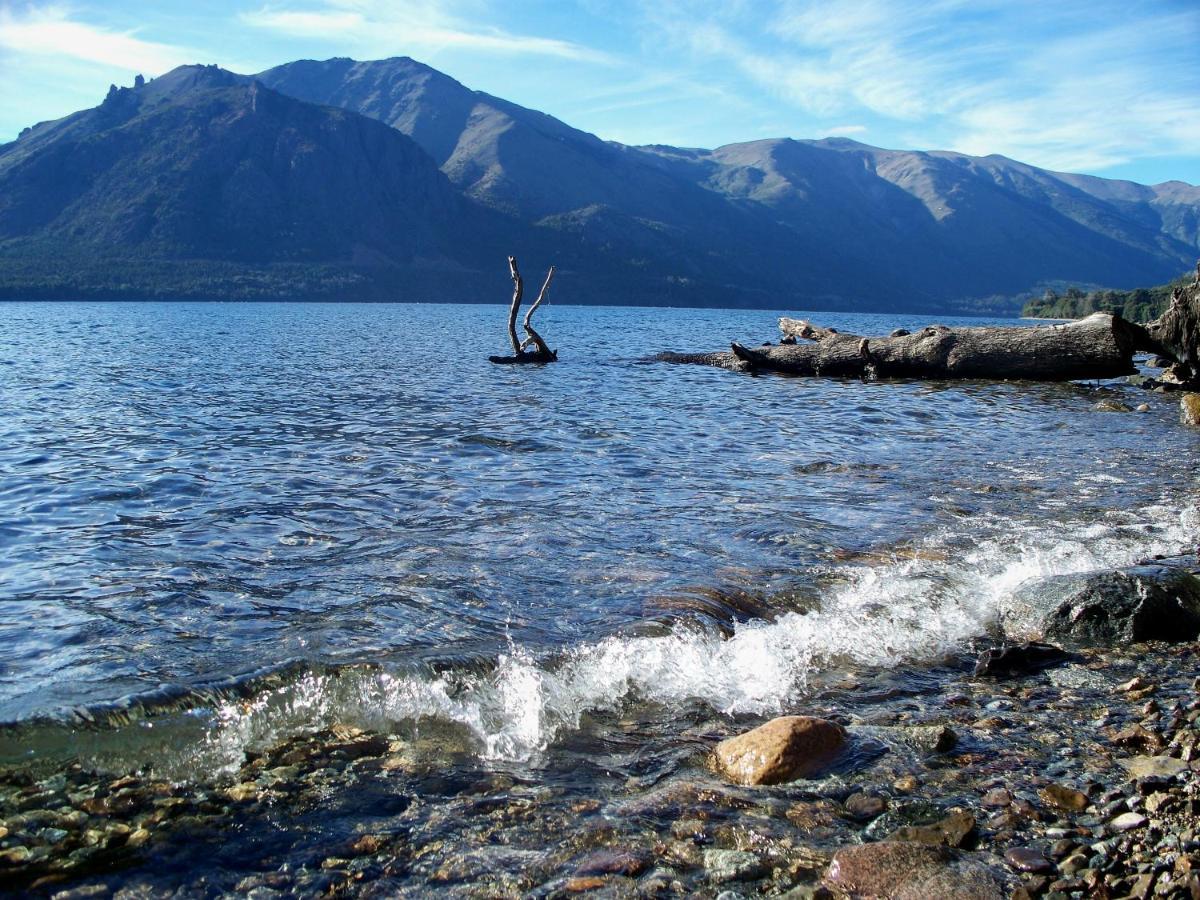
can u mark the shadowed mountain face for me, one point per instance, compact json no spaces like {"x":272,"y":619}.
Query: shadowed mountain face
{"x":289,"y":167}
{"x":201,"y":163}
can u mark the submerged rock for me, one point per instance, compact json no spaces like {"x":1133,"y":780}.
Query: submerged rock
{"x":1019,"y":659}
{"x":1154,"y":767}
{"x":1147,"y":602}
{"x":783,"y":749}
{"x":731,"y":865}
{"x":954,"y":830}
{"x":909,"y":871}
{"x":1065,"y":798}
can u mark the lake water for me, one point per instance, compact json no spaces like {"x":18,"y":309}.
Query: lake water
{"x":226,"y":525}
{"x":191,"y":493}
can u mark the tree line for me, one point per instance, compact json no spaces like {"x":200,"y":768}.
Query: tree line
{"x":1136,"y":305}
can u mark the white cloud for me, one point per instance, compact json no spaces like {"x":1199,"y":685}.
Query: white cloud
{"x":327,"y":23}
{"x":1069,"y":85}
{"x":843,"y":130}
{"x":51,"y":32}
{"x":377,"y":28}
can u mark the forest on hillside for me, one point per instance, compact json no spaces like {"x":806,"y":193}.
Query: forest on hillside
{"x":1136,"y":305}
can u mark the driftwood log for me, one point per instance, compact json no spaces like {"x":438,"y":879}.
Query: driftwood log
{"x":1099,"y":346}
{"x":521,"y":353}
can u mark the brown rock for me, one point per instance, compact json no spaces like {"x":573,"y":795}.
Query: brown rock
{"x":996,"y":799}
{"x":1138,"y":738}
{"x":1026,"y":859}
{"x":783,"y":749}
{"x":1189,"y":409}
{"x":247,"y":790}
{"x":609,"y":862}
{"x":951,"y":831}
{"x":1064,"y":798}
{"x":369,"y":844}
{"x":864,"y":807}
{"x":579,"y":885}
{"x":906,"y":871}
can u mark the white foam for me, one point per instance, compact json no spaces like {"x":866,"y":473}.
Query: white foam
{"x":885,"y":615}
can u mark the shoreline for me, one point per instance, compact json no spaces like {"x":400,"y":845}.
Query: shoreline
{"x":1009,"y":795}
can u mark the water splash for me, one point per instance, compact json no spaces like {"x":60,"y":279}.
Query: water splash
{"x":885,"y":615}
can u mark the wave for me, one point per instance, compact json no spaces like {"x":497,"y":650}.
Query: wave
{"x":917,"y":606}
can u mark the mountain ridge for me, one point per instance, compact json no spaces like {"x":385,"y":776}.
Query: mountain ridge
{"x":825,"y":223}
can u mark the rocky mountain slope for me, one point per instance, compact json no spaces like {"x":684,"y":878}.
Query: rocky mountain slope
{"x":292,"y":167}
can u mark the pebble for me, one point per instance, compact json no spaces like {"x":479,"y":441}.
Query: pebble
{"x":996,"y":799}
{"x":1127,"y":822}
{"x":1064,"y":797}
{"x":864,"y":807}
{"x":1025,"y":859}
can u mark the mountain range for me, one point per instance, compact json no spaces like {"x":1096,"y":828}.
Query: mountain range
{"x":390,"y":180}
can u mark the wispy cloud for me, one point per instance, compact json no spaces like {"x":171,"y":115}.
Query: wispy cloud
{"x":1068,"y":85}
{"x":50,"y":31}
{"x":374,"y":27}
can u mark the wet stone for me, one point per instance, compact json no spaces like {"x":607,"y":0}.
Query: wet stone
{"x":952,"y":831}
{"x":1065,"y":798}
{"x":780,"y":750}
{"x":864,"y":807}
{"x":1154,"y":767}
{"x":1127,"y":822}
{"x":1019,"y":659}
{"x":898,"y":869}
{"x":579,"y":885}
{"x":731,"y":865}
{"x":1026,"y":859}
{"x":606,"y":862}
{"x":996,"y":798}
{"x":15,"y":856}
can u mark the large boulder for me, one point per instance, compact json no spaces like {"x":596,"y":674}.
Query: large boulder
{"x":901,"y":870}
{"x":1155,"y":601}
{"x":783,"y":749}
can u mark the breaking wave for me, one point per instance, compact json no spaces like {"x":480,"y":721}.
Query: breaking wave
{"x":895,"y":612}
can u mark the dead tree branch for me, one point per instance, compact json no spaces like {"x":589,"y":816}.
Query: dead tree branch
{"x":543,"y":354}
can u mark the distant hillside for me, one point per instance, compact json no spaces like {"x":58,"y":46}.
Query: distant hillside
{"x":390,"y":180}
{"x":1138,"y":305}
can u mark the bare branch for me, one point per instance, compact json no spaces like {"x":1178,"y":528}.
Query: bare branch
{"x":518,"y":288}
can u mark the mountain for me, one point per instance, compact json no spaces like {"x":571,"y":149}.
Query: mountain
{"x":202,"y":164}
{"x":837,"y":216}
{"x":390,"y":179}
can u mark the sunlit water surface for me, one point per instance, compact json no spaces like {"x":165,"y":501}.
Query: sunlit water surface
{"x":243,"y":521}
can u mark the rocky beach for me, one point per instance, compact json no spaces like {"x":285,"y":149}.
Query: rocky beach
{"x":1008,"y":770}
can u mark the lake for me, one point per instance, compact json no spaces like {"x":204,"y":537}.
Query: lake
{"x":227,"y":525}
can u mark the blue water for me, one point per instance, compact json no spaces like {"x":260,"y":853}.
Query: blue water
{"x":195,"y":492}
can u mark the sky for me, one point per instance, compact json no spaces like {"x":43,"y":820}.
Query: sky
{"x":1105,"y":87}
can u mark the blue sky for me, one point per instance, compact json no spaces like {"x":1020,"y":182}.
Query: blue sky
{"x":1108,"y":88}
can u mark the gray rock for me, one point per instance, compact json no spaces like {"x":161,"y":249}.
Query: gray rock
{"x":1155,"y":601}
{"x":731,"y":865}
{"x":1127,"y":822}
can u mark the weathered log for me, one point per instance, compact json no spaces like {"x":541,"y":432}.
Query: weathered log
{"x":1100,"y":346}
{"x":1176,"y":333}
{"x":803,"y":329}
{"x":543,"y":354}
